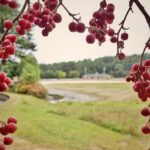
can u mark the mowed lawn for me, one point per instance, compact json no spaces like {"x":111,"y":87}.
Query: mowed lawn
{"x":111,"y":123}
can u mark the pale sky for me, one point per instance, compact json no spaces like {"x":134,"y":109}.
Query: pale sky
{"x":62,"y":45}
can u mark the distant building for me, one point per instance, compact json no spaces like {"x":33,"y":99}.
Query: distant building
{"x":97,"y":76}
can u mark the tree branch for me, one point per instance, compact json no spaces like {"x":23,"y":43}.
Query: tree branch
{"x":143,"y":11}
{"x":69,"y":13}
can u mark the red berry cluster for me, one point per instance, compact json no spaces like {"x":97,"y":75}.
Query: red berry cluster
{"x":23,"y":26}
{"x":7,"y":128}
{"x":102,"y":18}
{"x":120,"y":44}
{"x":98,"y":24}
{"x":4,"y":82}
{"x":140,"y":76}
{"x":11,"y":3}
{"x":43,"y":15}
{"x":7,"y":46}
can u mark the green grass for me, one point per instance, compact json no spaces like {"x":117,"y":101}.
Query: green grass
{"x":103,"y":125}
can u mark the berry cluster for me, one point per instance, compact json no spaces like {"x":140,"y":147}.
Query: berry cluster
{"x":120,"y":43}
{"x":76,"y":27}
{"x":140,"y":76}
{"x":43,"y":15}
{"x":6,"y":128}
{"x":23,"y":26}
{"x":7,"y":46}
{"x":4,"y":82}
{"x":11,"y":3}
{"x":98,"y":24}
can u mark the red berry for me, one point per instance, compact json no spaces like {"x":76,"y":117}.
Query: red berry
{"x":128,"y":79}
{"x":6,"y":42}
{"x":124,"y":36}
{"x":135,"y":67}
{"x":4,"y":2}
{"x":113,"y":39}
{"x":10,"y":49}
{"x":146,"y":129}
{"x":80,"y":27}
{"x":13,"y":4}
{"x":121,"y":56}
{"x":148,"y":89}
{"x":8,"y":24}
{"x":101,"y":39}
{"x":145,"y":111}
{"x":72,"y":26}
{"x":3,"y":130}
{"x":90,"y":38}
{"x":36,"y":6}
{"x":49,"y":27}
{"x":12,"y":120}
{"x":57,"y":18}
{"x":22,"y":23}
{"x":28,"y":25}
{"x":147,"y":63}
{"x":11,"y":37}
{"x":31,"y":18}
{"x":11,"y":127}
{"x":110,"y":7}
{"x":110,"y":17}
{"x":7,"y":140}
{"x":8,"y":81}
{"x":20,"y":31}
{"x":97,"y":15}
{"x":45,"y":32}
{"x":110,"y":32}
{"x":2,"y":77}
{"x":146,"y":75}
{"x":2,"y":146}
{"x":3,"y":87}
{"x":25,"y":16}
{"x":46,"y":11}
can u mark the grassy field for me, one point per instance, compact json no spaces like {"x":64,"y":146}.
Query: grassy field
{"x":112,"y":123}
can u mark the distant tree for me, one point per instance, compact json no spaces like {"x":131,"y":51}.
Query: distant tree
{"x":61,"y":74}
{"x":74,"y":74}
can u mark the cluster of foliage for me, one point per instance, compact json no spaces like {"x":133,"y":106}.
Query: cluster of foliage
{"x":72,"y":69}
{"x":6,"y":128}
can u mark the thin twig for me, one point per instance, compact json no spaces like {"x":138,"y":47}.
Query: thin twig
{"x":69,"y":13}
{"x":142,"y":55}
{"x":143,"y":11}
{"x":122,"y":24}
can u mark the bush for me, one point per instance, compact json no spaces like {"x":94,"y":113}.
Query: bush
{"x":35,"y":89}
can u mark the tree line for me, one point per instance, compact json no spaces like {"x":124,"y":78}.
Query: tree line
{"x":73,"y":69}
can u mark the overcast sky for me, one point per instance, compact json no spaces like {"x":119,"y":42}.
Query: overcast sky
{"x":62,"y":45}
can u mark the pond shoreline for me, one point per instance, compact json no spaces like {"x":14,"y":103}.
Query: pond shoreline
{"x":61,"y":95}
